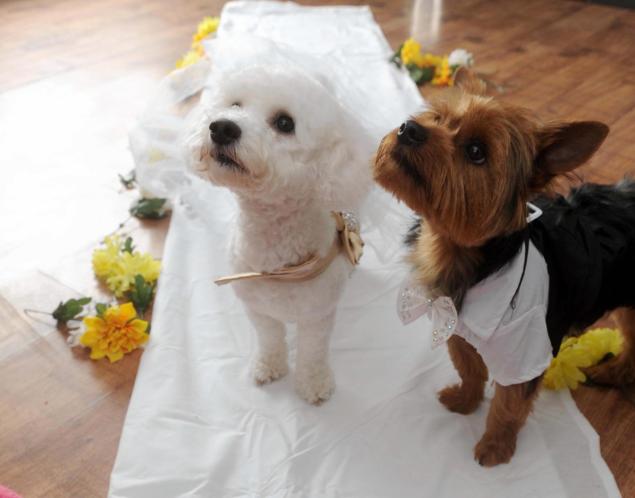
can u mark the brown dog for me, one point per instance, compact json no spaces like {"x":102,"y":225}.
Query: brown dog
{"x":468,"y":166}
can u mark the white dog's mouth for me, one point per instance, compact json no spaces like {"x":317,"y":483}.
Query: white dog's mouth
{"x":227,"y":158}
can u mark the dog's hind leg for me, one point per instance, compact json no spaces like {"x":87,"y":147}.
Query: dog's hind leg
{"x":270,"y":362}
{"x":507,"y":414}
{"x":465,"y":397}
{"x":313,"y":377}
{"x":620,"y":370}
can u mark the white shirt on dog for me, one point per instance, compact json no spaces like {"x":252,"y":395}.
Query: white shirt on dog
{"x":504,"y":322}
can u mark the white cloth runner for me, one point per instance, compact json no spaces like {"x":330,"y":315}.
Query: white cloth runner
{"x":197,"y":426}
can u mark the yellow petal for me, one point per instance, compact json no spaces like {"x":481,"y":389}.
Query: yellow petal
{"x":89,"y":338}
{"x":94,"y":323}
{"x":138,"y":325}
{"x":96,"y":354}
{"x":114,"y":356}
{"x":127,"y":312}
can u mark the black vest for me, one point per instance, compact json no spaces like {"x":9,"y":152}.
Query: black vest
{"x":588,"y":242}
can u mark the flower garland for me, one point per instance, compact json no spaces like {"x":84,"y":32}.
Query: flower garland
{"x":206,"y":27}
{"x":116,"y":329}
{"x":118,"y":264}
{"x":575,"y":353}
{"x":113,"y":330}
{"x":429,"y":68}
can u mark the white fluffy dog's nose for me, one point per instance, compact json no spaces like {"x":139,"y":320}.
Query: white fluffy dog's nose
{"x":224,"y":132}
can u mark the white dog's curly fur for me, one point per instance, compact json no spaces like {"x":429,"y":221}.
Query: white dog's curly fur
{"x":291,"y":154}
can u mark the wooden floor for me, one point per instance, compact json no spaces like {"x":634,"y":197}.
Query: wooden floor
{"x":72,"y":76}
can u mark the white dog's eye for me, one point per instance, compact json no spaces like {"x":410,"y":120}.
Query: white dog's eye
{"x":236,"y":104}
{"x":284,"y":123}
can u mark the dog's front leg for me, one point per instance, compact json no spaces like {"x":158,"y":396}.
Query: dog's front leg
{"x":270,"y":362}
{"x":507,"y":414}
{"x":313,"y":378}
{"x":466,"y":396}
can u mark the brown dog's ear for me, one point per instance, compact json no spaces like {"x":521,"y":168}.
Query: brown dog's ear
{"x":563,"y":147}
{"x":467,"y":81}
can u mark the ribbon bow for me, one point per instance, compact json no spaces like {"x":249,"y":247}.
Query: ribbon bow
{"x":347,"y":239}
{"x":413,"y":302}
{"x":348,"y":231}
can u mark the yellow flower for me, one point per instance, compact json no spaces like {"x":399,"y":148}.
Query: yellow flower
{"x":192,"y":57}
{"x":118,"y":268}
{"x":104,"y":259}
{"x":122,"y":273}
{"x":114,"y":334}
{"x":205,"y":28}
{"x":411,"y":52}
{"x":564,"y":369}
{"x":428,"y":60}
{"x":442,"y":73}
{"x":600,"y":342}
{"x":581,"y":352}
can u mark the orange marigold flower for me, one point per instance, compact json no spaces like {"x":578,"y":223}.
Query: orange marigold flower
{"x":117,"y":332}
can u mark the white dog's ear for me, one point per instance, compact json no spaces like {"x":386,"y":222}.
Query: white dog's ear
{"x":344,"y":175}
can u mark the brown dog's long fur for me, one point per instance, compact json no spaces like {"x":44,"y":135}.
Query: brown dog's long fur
{"x":464,"y":205}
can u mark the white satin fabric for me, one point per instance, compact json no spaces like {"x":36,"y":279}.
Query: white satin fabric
{"x":197,"y":425}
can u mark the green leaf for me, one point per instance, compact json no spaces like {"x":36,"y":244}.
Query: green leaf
{"x":101,"y":308}
{"x":149,"y":208}
{"x":129,"y":180}
{"x":69,"y":310}
{"x":128,"y":246}
{"x":420,"y":74}
{"x":141,"y":295}
{"x":396,"y":57}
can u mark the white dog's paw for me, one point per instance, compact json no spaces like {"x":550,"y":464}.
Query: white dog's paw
{"x":315,"y":384}
{"x":268,"y":368}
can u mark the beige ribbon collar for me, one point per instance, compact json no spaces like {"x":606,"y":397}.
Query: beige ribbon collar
{"x":347,"y":239}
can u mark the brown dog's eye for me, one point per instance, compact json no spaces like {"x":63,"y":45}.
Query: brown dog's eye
{"x":476,"y":153}
{"x":284,"y":123}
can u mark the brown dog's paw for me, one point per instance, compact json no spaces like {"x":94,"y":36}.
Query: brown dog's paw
{"x":494,"y":450}
{"x":618,"y":371}
{"x":460,"y":399}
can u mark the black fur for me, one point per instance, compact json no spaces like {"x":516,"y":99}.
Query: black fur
{"x":588,"y":242}
{"x":413,"y":232}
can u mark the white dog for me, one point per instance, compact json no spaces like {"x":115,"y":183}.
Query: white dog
{"x":291,"y":154}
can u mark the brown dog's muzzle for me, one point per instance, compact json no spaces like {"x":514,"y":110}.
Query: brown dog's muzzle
{"x":411,"y":134}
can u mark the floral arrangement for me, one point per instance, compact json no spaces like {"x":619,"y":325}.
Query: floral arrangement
{"x":429,"y":68}
{"x":118,"y":265}
{"x":206,"y":27}
{"x":112,"y":333}
{"x":575,"y":353}
{"x":114,"y":329}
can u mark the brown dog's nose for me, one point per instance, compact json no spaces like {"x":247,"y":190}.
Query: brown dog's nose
{"x":224,"y":132}
{"x":411,"y":133}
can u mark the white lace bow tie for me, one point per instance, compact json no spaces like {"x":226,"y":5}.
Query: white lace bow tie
{"x":413,"y":302}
